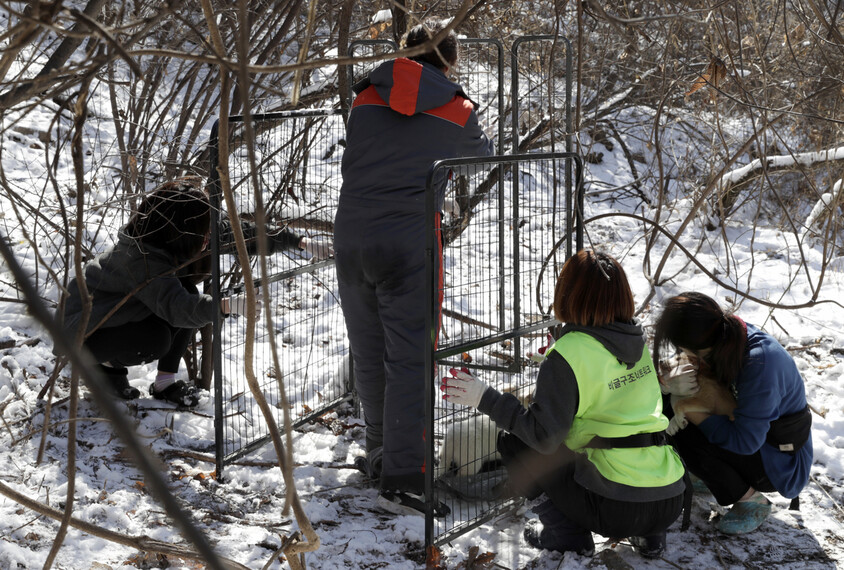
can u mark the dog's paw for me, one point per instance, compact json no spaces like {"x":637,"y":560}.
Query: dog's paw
{"x":677,"y":423}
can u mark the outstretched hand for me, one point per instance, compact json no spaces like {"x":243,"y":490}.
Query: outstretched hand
{"x":542,"y":352}
{"x":463,"y":388}
{"x":236,"y":304}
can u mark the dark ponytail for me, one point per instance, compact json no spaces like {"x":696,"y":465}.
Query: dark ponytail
{"x":727,"y":354}
{"x":695,"y":321}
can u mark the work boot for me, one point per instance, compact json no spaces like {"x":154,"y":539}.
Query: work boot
{"x":118,"y":379}
{"x":407,"y":503}
{"x":555,"y":531}
{"x":179,"y":392}
{"x":651,"y":546}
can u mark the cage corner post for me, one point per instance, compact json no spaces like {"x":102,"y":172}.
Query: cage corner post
{"x":214,"y":197}
{"x":431,"y":320}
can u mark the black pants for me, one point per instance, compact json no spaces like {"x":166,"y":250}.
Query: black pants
{"x":381,"y":276}
{"x":728,"y":475}
{"x":143,"y":341}
{"x":533,"y":473}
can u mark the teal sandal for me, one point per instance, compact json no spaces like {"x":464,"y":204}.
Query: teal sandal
{"x":746,"y":516}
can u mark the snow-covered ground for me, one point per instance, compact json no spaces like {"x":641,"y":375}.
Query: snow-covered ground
{"x":242,"y":516}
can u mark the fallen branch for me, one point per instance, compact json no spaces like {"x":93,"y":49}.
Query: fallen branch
{"x":780,"y":162}
{"x":467,"y":320}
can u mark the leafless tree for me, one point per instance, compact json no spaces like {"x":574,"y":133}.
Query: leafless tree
{"x":156,"y":75}
{"x":661,"y":80}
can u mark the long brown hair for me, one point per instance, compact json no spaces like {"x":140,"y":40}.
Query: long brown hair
{"x":174,"y":217}
{"x":695,"y":321}
{"x":592,"y":290}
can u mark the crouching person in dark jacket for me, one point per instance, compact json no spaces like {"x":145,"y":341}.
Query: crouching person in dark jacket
{"x":145,"y":303}
{"x":592,"y":442}
{"x":407,"y":115}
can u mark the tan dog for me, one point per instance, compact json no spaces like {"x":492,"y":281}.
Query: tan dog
{"x":712,"y":398}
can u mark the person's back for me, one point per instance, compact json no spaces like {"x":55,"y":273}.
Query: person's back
{"x":406,"y":116}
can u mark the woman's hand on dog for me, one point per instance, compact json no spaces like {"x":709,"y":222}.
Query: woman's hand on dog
{"x":681,"y":381}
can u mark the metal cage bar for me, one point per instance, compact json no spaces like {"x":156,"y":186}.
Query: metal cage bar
{"x":298,"y":154}
{"x":461,"y":444}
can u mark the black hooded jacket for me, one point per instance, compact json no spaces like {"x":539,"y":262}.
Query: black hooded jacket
{"x":545,"y":425}
{"x":406,"y":116}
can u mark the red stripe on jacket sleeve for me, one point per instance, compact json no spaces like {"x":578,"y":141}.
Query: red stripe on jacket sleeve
{"x":405,"y":91}
{"x":369,"y":96}
{"x":457,"y":110}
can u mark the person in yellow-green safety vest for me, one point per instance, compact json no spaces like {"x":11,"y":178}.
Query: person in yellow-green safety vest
{"x":591,"y":445}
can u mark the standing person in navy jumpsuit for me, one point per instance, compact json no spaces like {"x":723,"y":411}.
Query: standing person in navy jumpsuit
{"x":407,"y":115}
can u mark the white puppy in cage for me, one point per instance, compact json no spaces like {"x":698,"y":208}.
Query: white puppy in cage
{"x":469,"y":445}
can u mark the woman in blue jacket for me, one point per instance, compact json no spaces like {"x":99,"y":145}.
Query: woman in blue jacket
{"x":768,"y":446}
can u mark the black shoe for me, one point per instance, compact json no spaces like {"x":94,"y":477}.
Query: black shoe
{"x":404,"y":503}
{"x":651,"y":546}
{"x":362,"y":465}
{"x":119,"y":382}
{"x":547,"y":539}
{"x":370,"y":464}
{"x":179,"y":393}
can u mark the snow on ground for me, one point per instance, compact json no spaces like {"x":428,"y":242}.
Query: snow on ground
{"x":242,"y":515}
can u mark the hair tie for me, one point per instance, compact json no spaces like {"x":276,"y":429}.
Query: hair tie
{"x":741,"y":322}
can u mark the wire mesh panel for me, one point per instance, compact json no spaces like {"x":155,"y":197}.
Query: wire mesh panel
{"x":541,"y":90}
{"x":298,"y":180}
{"x":499,"y":273}
{"x":541,"y":71}
{"x":480,"y":72}
{"x":366,"y":48}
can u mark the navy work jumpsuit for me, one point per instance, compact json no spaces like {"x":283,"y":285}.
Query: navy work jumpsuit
{"x":406,"y":116}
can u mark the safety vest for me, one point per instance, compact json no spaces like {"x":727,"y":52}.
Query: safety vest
{"x":616,"y":402}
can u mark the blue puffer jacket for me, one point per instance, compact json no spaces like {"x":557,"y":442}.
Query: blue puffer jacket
{"x":768,"y":387}
{"x":407,"y":115}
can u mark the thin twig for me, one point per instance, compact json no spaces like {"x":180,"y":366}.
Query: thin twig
{"x":143,"y":543}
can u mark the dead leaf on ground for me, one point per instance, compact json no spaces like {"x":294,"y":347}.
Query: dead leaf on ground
{"x":477,"y":561}
{"x":148,"y":561}
{"x":433,"y":560}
